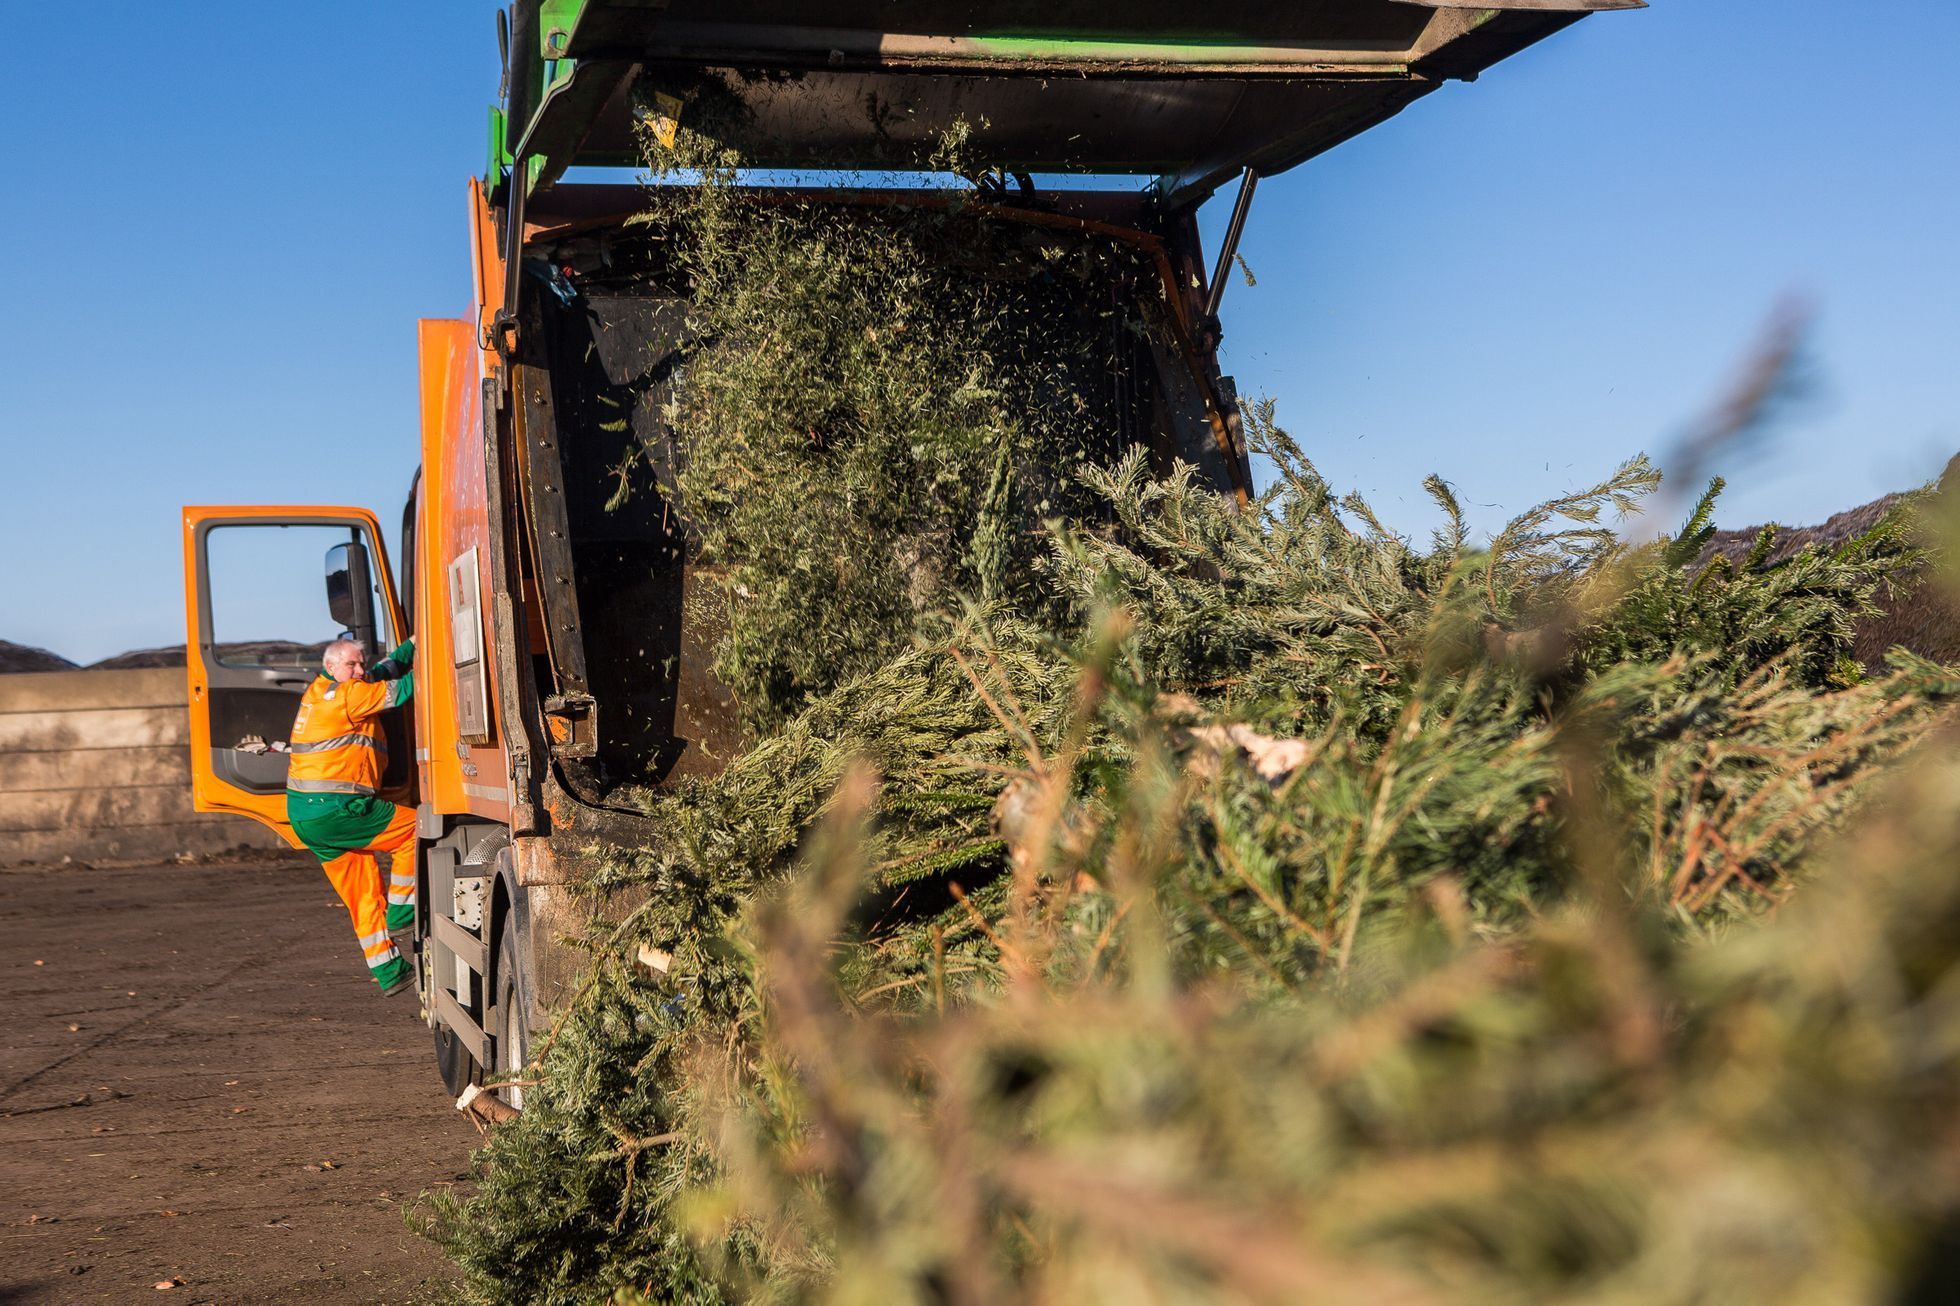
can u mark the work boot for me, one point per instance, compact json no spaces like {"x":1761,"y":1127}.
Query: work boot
{"x":395,"y":976}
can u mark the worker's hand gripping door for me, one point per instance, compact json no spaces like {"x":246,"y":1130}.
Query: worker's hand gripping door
{"x":257,"y":618}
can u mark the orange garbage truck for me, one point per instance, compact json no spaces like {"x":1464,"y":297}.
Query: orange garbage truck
{"x":554,"y":650}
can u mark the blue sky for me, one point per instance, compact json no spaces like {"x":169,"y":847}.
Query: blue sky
{"x":222,"y":222}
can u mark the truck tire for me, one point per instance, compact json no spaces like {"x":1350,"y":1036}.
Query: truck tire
{"x":510,"y":1016}
{"x":454,"y":1062}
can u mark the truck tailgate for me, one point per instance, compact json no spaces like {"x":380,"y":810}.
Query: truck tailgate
{"x":1191,"y":92}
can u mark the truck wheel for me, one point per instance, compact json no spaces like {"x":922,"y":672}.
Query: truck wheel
{"x":510,"y":1018}
{"x":454,"y":1062}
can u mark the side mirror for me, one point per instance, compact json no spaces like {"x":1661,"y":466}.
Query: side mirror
{"x":350,"y":591}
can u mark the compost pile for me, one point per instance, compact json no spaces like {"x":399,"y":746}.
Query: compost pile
{"x":1237,"y":904}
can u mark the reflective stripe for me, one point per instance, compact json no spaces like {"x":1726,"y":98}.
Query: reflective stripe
{"x":376,"y":960}
{"x":375,"y":939}
{"x":328,"y":787}
{"x":342,"y":741}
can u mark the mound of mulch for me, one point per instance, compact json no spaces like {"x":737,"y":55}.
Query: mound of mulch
{"x":21,"y":658}
{"x":1924,"y":618}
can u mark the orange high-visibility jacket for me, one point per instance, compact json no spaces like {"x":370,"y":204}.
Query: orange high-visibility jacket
{"x":337,"y":746}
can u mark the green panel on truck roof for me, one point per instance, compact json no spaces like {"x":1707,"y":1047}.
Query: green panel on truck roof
{"x":1192,"y":92}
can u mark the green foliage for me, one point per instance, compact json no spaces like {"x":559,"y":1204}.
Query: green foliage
{"x":1136,"y":895}
{"x":882,"y":403}
{"x":1282,"y":907}
{"x":1592,"y":1109}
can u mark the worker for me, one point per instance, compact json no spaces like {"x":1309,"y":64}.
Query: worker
{"x":338,"y":753}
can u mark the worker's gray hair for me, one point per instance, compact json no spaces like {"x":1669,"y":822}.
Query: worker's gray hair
{"x":338,"y":651}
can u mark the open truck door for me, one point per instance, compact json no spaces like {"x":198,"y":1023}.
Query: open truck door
{"x":266,"y":589}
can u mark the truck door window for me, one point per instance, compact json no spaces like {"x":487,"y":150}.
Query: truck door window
{"x":268,"y":597}
{"x":267,"y":619}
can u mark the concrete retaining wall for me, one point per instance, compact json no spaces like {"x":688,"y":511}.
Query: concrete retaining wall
{"x":95,"y":766}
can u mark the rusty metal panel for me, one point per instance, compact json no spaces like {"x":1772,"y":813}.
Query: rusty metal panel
{"x":1192,"y":93}
{"x":570,"y":715}
{"x":1006,"y":23}
{"x":515,"y":694}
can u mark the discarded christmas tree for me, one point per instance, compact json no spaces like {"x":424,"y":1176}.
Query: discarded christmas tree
{"x":1228,"y":903}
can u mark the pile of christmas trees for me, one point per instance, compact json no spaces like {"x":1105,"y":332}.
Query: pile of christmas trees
{"x":1234,"y":904}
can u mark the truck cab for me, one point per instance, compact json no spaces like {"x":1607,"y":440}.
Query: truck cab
{"x":540,"y":618}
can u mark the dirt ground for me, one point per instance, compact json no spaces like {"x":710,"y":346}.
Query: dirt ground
{"x":199,"y":1083}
